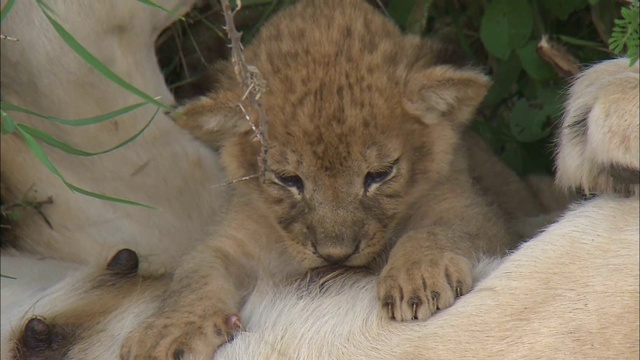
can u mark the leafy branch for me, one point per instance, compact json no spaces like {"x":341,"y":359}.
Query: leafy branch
{"x":625,"y":33}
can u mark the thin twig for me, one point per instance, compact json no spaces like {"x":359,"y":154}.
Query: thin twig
{"x":244,"y":178}
{"x":381,"y":5}
{"x":5,"y":37}
{"x":25,"y":203}
{"x":252,"y":82}
{"x":178,"y":39}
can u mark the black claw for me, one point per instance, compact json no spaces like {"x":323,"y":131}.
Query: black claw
{"x":387,"y":303}
{"x":125,"y":261}
{"x":37,"y":335}
{"x":388,"y":300}
{"x":415,"y":300}
{"x":458,"y":289}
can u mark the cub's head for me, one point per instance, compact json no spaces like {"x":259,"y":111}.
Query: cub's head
{"x":362,"y":121}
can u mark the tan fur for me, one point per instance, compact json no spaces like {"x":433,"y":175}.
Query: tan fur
{"x":365,"y":155}
{"x":572,"y":293}
{"x":594,"y":152}
{"x":84,"y":311}
{"x":544,"y":301}
{"x":164,"y":167}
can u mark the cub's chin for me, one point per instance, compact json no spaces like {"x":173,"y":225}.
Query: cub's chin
{"x":313,"y":262}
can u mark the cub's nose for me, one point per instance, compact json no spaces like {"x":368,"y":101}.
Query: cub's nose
{"x":336,"y":256}
{"x":336,"y":259}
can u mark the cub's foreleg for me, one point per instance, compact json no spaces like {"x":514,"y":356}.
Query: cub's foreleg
{"x":430,"y":265}
{"x":200,"y":310}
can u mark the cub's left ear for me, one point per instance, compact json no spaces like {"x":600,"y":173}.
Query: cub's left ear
{"x":212,"y":119}
{"x":444,"y":94}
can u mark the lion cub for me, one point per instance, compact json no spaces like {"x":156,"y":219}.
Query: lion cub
{"x":365,"y":159}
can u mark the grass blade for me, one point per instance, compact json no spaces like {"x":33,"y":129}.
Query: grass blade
{"x":50,"y":140}
{"x":93,"y":61}
{"x":106,"y":197}
{"x":8,"y":124}
{"x":154,"y":5}
{"x":6,"y":9}
{"x":39,"y":153}
{"x":79,"y":122}
{"x":579,"y":42}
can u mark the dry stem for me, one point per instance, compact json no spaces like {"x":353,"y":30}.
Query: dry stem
{"x":5,"y":37}
{"x":244,"y":178}
{"x":252,"y":82}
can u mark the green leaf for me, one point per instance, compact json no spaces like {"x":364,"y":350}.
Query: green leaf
{"x":6,"y":9}
{"x":411,"y":15}
{"x":7,"y":277}
{"x":506,"y":25}
{"x":79,"y":122}
{"x":400,"y":11}
{"x":93,"y":61}
{"x":50,"y":140}
{"x":563,"y":8}
{"x":504,"y":78}
{"x":153,"y":4}
{"x":8,"y":124}
{"x":528,"y":123}
{"x":491,"y":135}
{"x":528,"y":87}
{"x":552,"y":99}
{"x":532,"y":63}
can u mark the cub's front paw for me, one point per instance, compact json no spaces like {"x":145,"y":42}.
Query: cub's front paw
{"x":414,"y":288}
{"x":178,"y":336}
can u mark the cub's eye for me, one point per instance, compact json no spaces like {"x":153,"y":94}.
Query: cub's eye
{"x":377,"y":177}
{"x":291,"y":181}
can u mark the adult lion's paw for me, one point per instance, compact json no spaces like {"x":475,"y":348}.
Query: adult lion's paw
{"x":180,"y":335}
{"x":413,"y":289}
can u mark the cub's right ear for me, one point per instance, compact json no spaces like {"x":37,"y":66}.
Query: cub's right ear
{"x":213,"y":118}
{"x":444,"y":94}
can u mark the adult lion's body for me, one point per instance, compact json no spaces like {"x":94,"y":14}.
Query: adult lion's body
{"x":164,"y":167}
{"x":545,"y":300}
